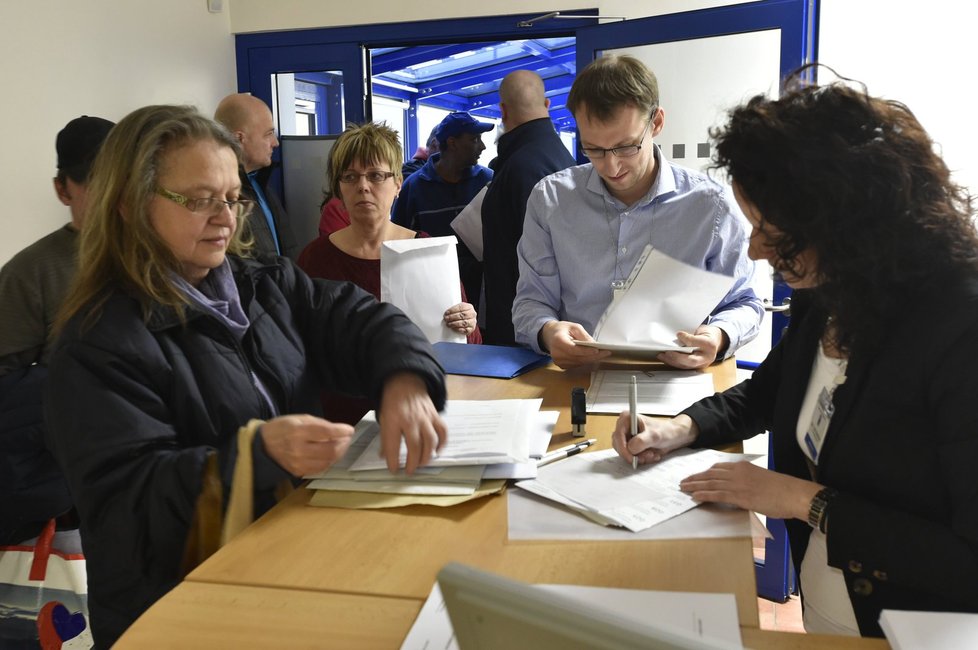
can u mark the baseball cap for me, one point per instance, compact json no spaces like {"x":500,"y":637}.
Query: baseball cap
{"x":458,"y":123}
{"x":78,"y":142}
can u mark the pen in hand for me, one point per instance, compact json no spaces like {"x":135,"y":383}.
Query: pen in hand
{"x":633,"y":412}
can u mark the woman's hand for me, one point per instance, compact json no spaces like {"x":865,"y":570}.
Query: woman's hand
{"x":305,"y":444}
{"x":753,"y":488}
{"x":461,"y":318}
{"x":407,"y":412}
{"x":655,"y":438}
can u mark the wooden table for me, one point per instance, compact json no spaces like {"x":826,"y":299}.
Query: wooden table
{"x":205,"y":615}
{"x":398,"y":552}
{"x":328,"y":577}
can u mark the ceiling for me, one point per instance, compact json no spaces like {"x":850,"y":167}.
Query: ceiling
{"x":466,"y":76}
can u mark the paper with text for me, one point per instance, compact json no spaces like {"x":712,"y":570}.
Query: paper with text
{"x":601,"y":482}
{"x":480,"y":432}
{"x":660,"y":392}
{"x":662,"y":296}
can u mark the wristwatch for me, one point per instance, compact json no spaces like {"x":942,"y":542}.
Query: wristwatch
{"x":819,"y":509}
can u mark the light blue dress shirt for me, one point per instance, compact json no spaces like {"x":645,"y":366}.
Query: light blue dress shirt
{"x":578,"y":240}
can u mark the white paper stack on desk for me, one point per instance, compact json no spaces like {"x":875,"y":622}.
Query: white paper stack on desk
{"x":486,"y":439}
{"x":660,"y":392}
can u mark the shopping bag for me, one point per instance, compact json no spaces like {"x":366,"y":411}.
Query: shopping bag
{"x":44,"y":593}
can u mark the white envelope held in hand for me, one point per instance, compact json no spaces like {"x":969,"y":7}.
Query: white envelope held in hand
{"x":662,"y":296}
{"x":420,"y":276}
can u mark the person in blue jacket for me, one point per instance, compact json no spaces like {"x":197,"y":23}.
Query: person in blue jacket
{"x":172,"y":341}
{"x":869,"y":396}
{"x":434,"y":195}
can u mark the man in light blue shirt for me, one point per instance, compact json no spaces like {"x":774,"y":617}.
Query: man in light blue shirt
{"x":586,"y":226}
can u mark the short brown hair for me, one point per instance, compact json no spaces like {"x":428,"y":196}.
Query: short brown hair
{"x":370,"y":144}
{"x":610,"y":83}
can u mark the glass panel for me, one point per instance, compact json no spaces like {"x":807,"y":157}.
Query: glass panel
{"x":308,"y":103}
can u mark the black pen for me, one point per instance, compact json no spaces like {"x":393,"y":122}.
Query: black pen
{"x":565,"y":452}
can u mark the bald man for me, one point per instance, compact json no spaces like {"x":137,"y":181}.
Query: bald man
{"x":528,"y":150}
{"x":250,"y":120}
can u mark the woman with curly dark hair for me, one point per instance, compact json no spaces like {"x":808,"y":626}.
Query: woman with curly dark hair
{"x":868,"y":396}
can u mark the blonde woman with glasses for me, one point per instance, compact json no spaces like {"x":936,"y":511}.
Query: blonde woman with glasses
{"x":186,"y":371}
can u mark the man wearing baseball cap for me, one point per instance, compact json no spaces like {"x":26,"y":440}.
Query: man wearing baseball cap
{"x":434,"y":195}
{"x":33,"y":284}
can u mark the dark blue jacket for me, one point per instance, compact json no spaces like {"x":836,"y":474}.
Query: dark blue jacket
{"x":135,"y":408}
{"x":427,"y":203}
{"x":525,"y":155}
{"x":901,"y":449}
{"x":32,"y":487}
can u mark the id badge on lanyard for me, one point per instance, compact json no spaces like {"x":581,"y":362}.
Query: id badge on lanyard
{"x":821,"y":418}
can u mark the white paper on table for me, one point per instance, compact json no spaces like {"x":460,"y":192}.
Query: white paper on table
{"x":662,"y":296}
{"x":660,"y":392}
{"x":701,"y":615}
{"x":604,"y":483}
{"x":420,"y":277}
{"x":911,"y":630}
{"x":468,"y":224}
{"x":426,"y":480}
{"x":532,"y":517}
{"x":480,"y":432}
{"x":543,"y":428}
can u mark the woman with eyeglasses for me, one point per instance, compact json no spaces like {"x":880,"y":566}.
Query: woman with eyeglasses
{"x":869,"y":396}
{"x":174,"y":348}
{"x":364,"y":169}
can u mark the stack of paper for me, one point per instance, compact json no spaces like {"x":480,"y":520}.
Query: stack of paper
{"x":665,"y":392}
{"x":487,"y":439}
{"x":604,"y":488}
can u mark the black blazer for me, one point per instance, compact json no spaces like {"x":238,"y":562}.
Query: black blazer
{"x":902,"y":449}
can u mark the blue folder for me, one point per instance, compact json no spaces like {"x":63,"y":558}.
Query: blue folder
{"x":487,"y":360}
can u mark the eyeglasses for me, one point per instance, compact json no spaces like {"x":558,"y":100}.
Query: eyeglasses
{"x":209,"y":207}
{"x":624,"y":151}
{"x":374,"y":178}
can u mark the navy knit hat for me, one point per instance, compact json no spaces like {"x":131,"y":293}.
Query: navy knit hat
{"x":78,"y":143}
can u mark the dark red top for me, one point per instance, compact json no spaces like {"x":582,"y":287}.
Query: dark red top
{"x":322,"y":259}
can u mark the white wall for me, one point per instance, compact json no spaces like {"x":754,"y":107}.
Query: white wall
{"x":66,"y":58}
{"x":921,"y":55}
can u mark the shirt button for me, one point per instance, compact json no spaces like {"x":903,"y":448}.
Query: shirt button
{"x":880,"y":575}
{"x":855,"y":567}
{"x":624,"y":249}
{"x":862,"y":587}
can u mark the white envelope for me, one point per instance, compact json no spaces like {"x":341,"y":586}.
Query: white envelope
{"x":468,"y":224}
{"x":420,"y":276}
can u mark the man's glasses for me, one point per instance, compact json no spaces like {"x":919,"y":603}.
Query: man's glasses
{"x":209,"y":207}
{"x":624,"y":151}
{"x":374,"y":178}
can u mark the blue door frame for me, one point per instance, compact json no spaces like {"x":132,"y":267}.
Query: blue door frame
{"x":797,"y":21}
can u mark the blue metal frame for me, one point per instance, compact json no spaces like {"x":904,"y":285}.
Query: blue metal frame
{"x":340,"y":48}
{"x":797,"y":20}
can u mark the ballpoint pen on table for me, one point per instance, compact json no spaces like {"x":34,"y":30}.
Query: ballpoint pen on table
{"x":633,"y":412}
{"x":565,"y":452}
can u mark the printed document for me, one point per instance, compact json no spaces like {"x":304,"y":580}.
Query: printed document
{"x":603,"y":487}
{"x":480,"y":432}
{"x":662,"y":296}
{"x":660,"y":392}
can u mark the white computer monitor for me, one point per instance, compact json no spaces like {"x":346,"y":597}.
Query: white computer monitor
{"x":489,"y":612}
